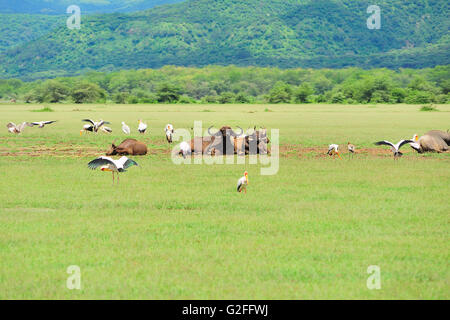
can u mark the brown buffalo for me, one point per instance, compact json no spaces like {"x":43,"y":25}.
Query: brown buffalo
{"x":128,"y":147}
{"x":223,"y":143}
{"x":199,"y":145}
{"x":432,"y":141}
{"x":257,"y":142}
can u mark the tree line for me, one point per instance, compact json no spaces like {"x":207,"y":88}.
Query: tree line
{"x":232,"y":84}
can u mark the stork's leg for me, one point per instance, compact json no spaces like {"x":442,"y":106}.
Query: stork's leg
{"x":117,"y":177}
{"x":113,"y":177}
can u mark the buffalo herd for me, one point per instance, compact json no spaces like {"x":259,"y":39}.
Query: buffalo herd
{"x":227,"y":142}
{"x":223,"y":142}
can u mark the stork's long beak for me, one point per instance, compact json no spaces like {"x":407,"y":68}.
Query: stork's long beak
{"x":81,"y":132}
{"x":339,"y":155}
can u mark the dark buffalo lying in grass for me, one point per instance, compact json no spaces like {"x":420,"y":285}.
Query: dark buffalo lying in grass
{"x":130,"y":147}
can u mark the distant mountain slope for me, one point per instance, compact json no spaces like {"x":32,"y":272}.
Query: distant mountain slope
{"x":16,"y":29}
{"x":283,"y":33}
{"x":89,"y":6}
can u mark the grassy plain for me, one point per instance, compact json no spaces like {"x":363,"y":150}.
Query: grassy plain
{"x":183,"y":232}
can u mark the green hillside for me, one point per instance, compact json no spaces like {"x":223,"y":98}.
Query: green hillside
{"x":283,"y":33}
{"x":59,"y":6}
{"x":16,"y":29}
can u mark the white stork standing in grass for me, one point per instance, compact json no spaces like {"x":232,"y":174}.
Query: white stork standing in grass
{"x":142,"y":127}
{"x":41,"y":124}
{"x":243,"y":183}
{"x":169,"y":132}
{"x":395,"y":148}
{"x":13,"y":128}
{"x":109,"y":164}
{"x":125,"y":128}
{"x":333,"y":150}
{"x":96,"y":125}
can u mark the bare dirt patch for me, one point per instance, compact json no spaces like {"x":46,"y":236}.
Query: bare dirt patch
{"x":161,"y":147}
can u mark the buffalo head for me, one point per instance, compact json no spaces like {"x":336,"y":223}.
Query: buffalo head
{"x":112,"y":151}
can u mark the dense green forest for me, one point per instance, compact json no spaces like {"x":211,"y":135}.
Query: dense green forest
{"x":281,"y":33}
{"x":59,"y":6}
{"x":17,"y":29}
{"x":231,"y":84}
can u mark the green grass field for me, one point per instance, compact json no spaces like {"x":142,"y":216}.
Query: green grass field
{"x":183,"y":232}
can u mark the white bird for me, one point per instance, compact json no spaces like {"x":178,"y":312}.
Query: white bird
{"x":415,"y":145}
{"x":185,"y":149}
{"x":333,"y":150}
{"x":169,"y":132}
{"x":125,"y":128}
{"x":96,"y":125}
{"x":243,"y":183}
{"x":395,"y":148}
{"x":109,"y":164}
{"x":41,"y":124}
{"x":12,"y":128}
{"x":87,"y":128}
{"x":106,"y":129}
{"x":142,"y":126}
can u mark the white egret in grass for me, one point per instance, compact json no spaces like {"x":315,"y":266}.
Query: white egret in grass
{"x":125,"y":128}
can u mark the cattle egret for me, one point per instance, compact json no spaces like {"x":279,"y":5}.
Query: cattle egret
{"x":41,"y":124}
{"x":12,"y":128}
{"x":109,"y":164}
{"x":169,"y":132}
{"x":185,"y":149}
{"x":96,"y":125}
{"x":333,"y":150}
{"x":142,"y":126}
{"x":351,"y":148}
{"x":243,"y":183}
{"x":395,"y":148}
{"x":125,"y":128}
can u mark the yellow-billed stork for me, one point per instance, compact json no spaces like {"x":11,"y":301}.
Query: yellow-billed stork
{"x":109,"y":164}
{"x":333,"y":150}
{"x":96,"y":124}
{"x":169,"y":132}
{"x":41,"y":124}
{"x":395,"y":148}
{"x":87,"y":128}
{"x":142,"y":127}
{"x":243,"y":183}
